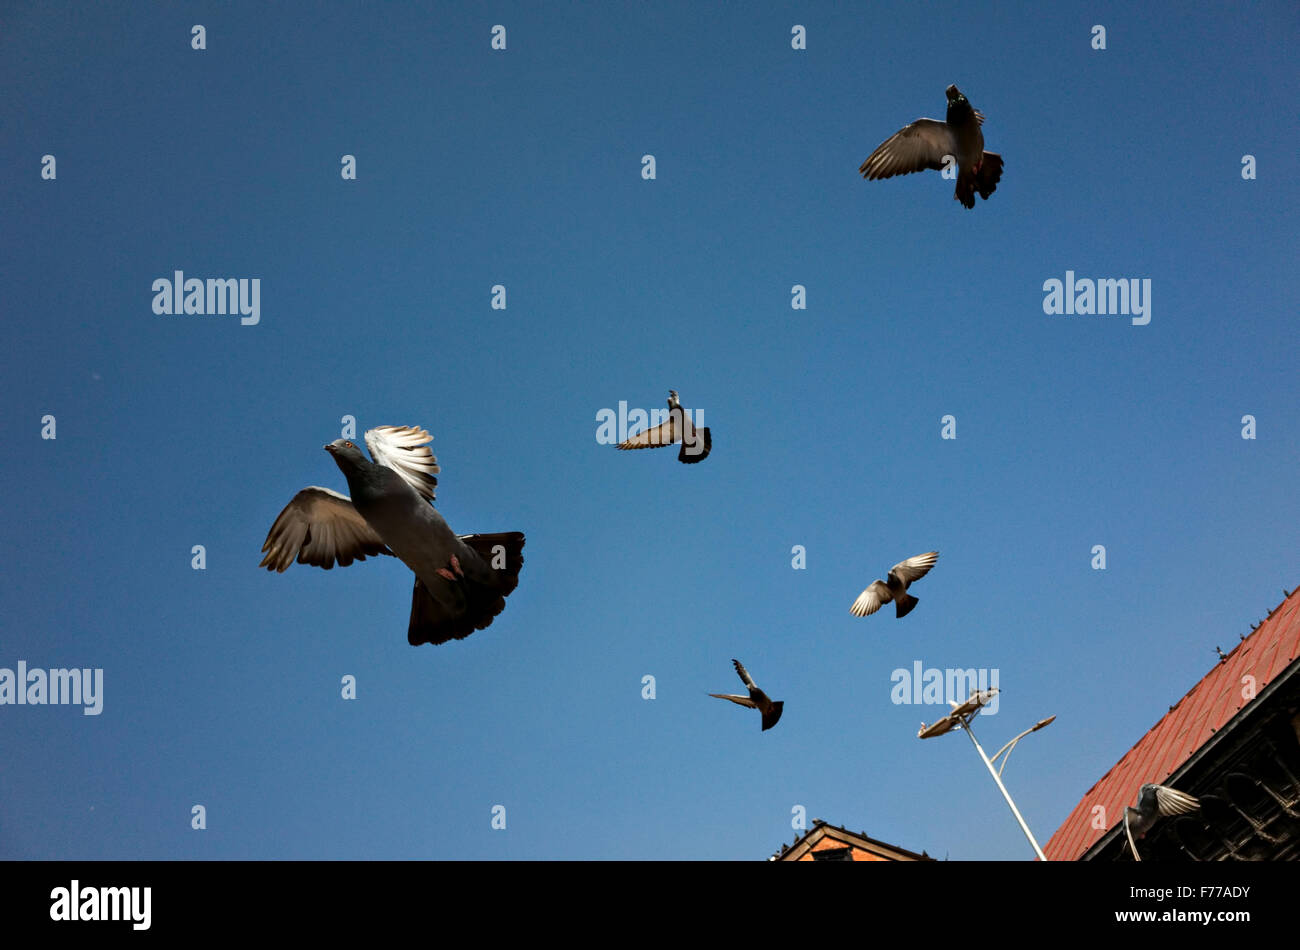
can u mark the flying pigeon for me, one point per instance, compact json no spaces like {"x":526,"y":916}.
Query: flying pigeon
{"x":696,"y":443}
{"x":461,"y":581}
{"x":895,"y":587}
{"x":1154,"y":802}
{"x":757,"y":699}
{"x":926,"y":143}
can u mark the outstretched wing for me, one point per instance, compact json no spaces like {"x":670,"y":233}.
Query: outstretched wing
{"x":913,"y":148}
{"x":1170,"y":801}
{"x":1129,"y":834}
{"x":319,"y":527}
{"x":405,"y":449}
{"x":871,"y":599}
{"x":744,"y":674}
{"x":914,"y":567}
{"x":739,"y":700}
{"x":666,"y":433}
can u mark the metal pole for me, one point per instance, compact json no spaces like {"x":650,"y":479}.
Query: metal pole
{"x":1005,"y":794}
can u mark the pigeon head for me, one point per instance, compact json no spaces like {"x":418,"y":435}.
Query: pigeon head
{"x":347,"y":456}
{"x":960,"y":110}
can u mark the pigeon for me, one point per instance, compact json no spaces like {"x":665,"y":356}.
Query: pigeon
{"x":461,"y":581}
{"x":757,"y":699}
{"x":696,"y":443}
{"x":1154,"y":802}
{"x":895,"y":587}
{"x":927,"y":143}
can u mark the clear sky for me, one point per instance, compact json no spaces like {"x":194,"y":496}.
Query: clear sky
{"x":477,"y":167}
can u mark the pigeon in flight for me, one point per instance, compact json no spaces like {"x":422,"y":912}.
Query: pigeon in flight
{"x":895,"y":587}
{"x":927,"y":143}
{"x":696,"y":443}
{"x":461,"y":581}
{"x":1154,"y":802}
{"x":757,"y":699}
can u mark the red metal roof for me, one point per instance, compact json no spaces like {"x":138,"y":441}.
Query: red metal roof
{"x":1269,"y":650}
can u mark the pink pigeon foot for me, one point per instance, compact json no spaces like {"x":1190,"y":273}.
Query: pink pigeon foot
{"x":455,"y":566}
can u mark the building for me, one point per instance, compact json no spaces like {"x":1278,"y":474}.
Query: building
{"x":1233,"y":742}
{"x":826,"y":842}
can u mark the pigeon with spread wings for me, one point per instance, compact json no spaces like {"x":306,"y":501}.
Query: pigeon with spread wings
{"x":1155,"y":802}
{"x":461,"y":581}
{"x":929,"y":143}
{"x":895,"y":587}
{"x":757,"y":699}
{"x":696,"y":442}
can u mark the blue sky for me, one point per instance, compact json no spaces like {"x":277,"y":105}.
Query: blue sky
{"x":522,"y":168}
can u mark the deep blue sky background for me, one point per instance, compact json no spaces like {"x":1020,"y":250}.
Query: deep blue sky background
{"x":522,"y":168}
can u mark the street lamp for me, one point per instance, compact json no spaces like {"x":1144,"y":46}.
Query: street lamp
{"x":1012,"y":744}
{"x":960,"y":718}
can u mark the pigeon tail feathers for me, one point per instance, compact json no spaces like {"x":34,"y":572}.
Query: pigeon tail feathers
{"x":698,"y":450}
{"x":772,"y":715}
{"x":989,"y":174}
{"x":983,"y":179}
{"x":503,"y":552}
{"x":478,"y":603}
{"x":904,"y":602}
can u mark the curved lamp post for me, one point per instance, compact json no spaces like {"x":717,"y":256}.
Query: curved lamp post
{"x":960,"y":718}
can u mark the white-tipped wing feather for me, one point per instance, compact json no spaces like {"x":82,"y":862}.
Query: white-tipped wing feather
{"x":405,"y":449}
{"x":744,"y":674}
{"x":1170,"y":801}
{"x":914,"y":567}
{"x":318,"y":527}
{"x":871,"y":599}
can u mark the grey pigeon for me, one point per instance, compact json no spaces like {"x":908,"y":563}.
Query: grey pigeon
{"x":1155,"y":802}
{"x":894,"y":587}
{"x":926,"y":142}
{"x":757,"y":699}
{"x":461,"y":581}
{"x":696,"y":443}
